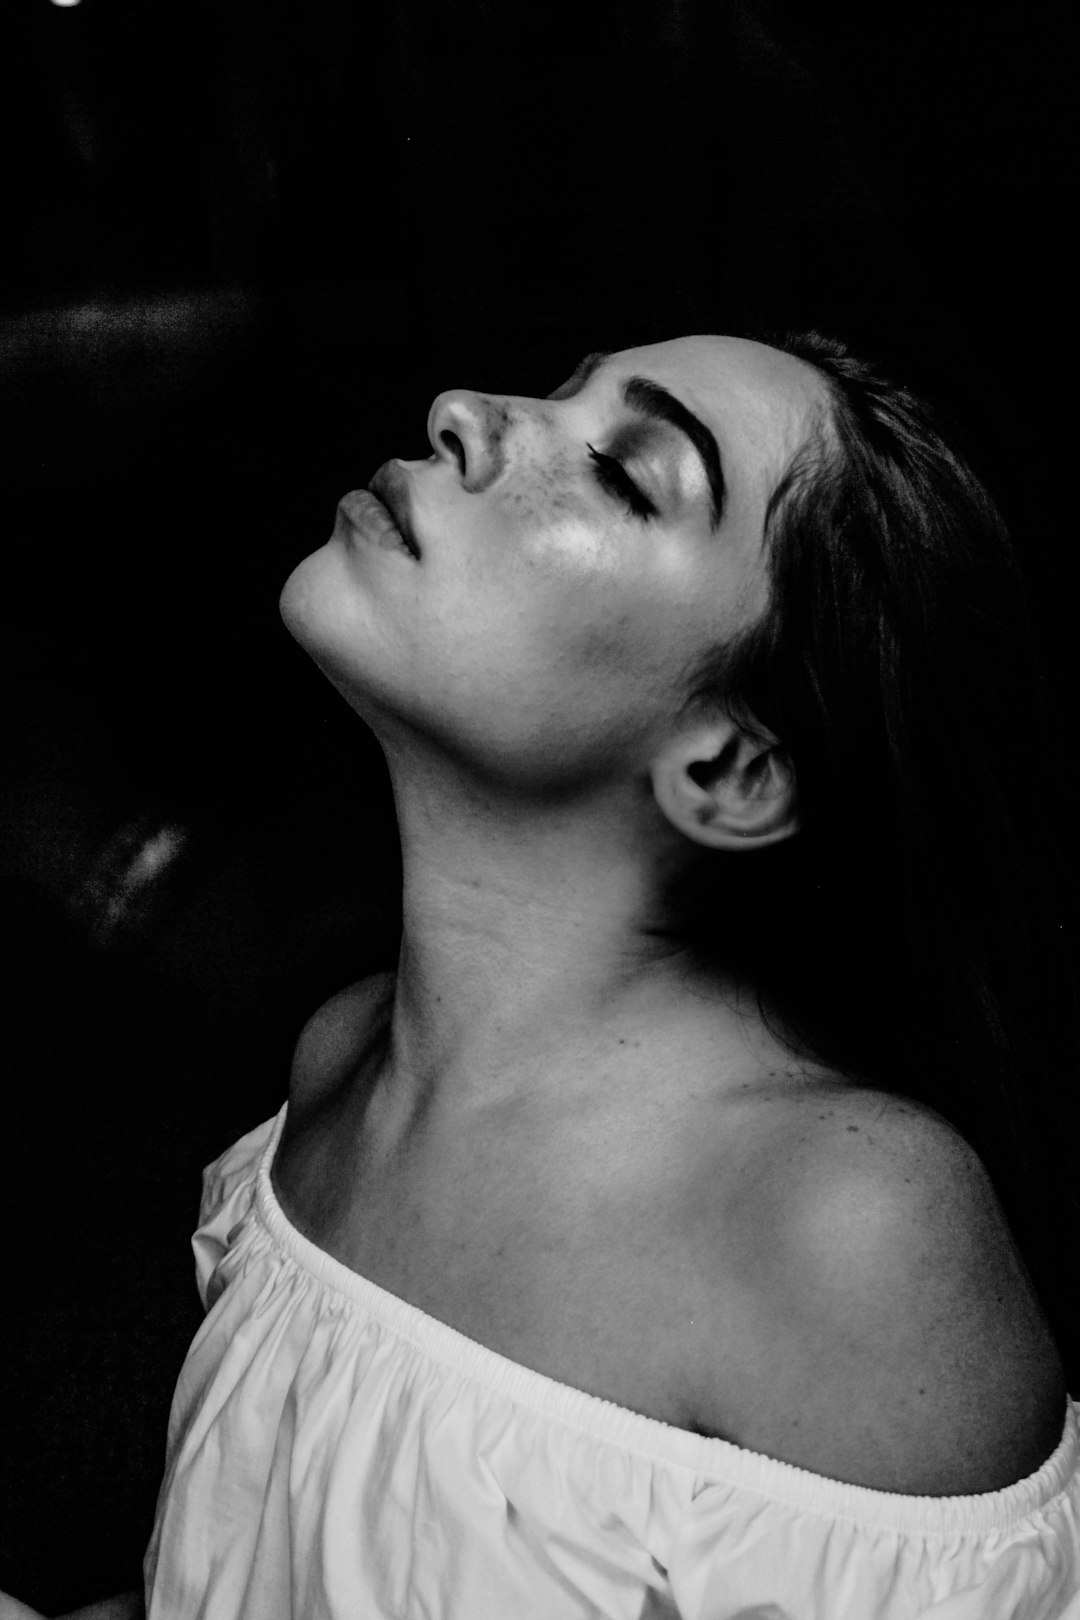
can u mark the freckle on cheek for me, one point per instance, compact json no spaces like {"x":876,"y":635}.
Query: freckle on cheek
{"x":543,"y":497}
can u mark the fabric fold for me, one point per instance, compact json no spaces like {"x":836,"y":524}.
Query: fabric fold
{"x":334,"y":1451}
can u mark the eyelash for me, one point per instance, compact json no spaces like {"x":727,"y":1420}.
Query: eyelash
{"x":613,"y":477}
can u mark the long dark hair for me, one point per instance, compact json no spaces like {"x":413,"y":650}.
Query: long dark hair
{"x":913,"y":933}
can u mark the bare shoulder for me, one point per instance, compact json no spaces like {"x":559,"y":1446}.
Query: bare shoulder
{"x":335,"y":1038}
{"x":889,"y":1333}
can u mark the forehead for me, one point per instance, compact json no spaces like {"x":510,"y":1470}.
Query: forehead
{"x":759,"y":402}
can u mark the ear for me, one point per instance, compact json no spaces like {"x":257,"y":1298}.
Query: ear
{"x":724,"y":789}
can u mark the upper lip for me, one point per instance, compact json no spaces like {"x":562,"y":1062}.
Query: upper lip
{"x":391,"y":486}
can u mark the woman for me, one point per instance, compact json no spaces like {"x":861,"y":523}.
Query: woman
{"x":615,"y":1257}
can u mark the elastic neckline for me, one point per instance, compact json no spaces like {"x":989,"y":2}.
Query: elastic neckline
{"x":715,"y":1462}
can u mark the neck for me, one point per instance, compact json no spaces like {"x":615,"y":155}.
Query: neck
{"x":538,"y":963}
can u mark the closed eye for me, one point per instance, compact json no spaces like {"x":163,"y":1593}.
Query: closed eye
{"x":613,"y":477}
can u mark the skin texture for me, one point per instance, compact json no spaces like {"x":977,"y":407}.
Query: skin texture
{"x":527,"y":681}
{"x":545,"y":635}
{"x":554,"y":1123}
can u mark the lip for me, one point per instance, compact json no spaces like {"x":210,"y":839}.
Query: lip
{"x":364,"y":515}
{"x":391,"y":486}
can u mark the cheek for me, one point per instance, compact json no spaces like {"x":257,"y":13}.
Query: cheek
{"x":545,"y":521}
{"x":547,"y":548}
{"x":606,"y":595}
{"x":551,"y":528}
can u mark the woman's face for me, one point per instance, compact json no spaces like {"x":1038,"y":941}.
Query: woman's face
{"x":578,"y":554}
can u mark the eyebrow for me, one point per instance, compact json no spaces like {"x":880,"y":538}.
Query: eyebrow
{"x":647,"y":398}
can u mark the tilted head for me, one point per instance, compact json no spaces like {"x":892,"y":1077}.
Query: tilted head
{"x":756,"y":586}
{"x":571,"y":559}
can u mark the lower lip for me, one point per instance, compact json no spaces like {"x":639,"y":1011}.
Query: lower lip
{"x":368,"y":519}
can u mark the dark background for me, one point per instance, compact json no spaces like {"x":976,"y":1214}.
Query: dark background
{"x":244,"y":246}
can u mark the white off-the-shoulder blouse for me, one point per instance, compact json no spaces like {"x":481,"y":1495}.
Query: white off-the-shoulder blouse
{"x":334,"y":1453}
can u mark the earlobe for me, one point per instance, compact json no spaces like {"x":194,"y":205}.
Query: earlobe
{"x":726,"y":790}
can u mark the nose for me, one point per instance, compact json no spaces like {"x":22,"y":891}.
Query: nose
{"x":470,"y":430}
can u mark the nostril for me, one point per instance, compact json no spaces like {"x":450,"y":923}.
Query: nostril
{"x":450,"y":439}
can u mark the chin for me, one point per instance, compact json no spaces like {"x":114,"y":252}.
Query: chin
{"x":306,"y":599}
{"x":315,"y":608}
